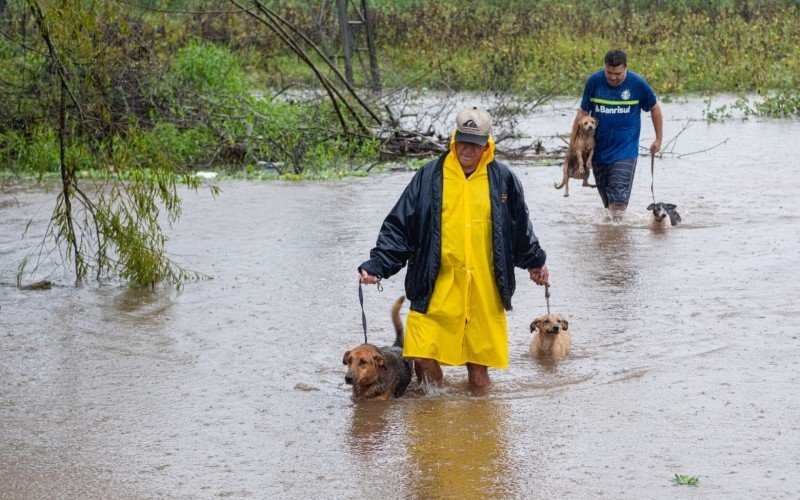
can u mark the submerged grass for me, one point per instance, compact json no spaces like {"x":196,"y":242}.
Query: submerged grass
{"x":685,"y":480}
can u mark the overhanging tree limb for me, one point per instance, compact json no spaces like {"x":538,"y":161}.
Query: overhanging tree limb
{"x":276,"y":24}
{"x":60,"y":69}
{"x":66,"y":175}
{"x":266,"y":10}
{"x":296,"y":49}
{"x":115,"y":228}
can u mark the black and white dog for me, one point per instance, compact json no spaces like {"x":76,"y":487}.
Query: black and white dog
{"x":662,"y":210}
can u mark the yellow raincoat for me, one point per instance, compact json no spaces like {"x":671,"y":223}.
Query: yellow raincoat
{"x":466,"y":321}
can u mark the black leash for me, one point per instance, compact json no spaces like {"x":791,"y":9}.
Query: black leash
{"x":652,"y":175}
{"x":363,"y":315}
{"x":547,"y":296}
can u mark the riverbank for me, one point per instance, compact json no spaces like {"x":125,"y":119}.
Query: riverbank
{"x":550,"y":47}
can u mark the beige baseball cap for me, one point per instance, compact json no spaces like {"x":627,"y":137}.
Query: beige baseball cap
{"x":473,"y":125}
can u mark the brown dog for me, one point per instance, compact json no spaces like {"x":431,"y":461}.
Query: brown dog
{"x":380,"y":373}
{"x":578,"y":161}
{"x":552,"y":339}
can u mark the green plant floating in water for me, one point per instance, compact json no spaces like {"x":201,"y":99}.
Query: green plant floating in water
{"x":683,"y":479}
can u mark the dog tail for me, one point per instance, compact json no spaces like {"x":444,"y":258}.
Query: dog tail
{"x":398,"y":324}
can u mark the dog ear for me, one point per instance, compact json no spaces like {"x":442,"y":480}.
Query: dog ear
{"x":344,"y":359}
{"x":535,"y":324}
{"x":651,"y":206}
{"x":671,"y":206}
{"x":564,"y":323}
{"x":379,"y":360}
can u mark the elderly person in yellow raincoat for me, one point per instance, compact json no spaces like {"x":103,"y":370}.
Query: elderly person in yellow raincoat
{"x":462,"y":225}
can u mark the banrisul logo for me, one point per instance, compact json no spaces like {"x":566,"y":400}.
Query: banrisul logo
{"x":626,"y":94}
{"x":614,"y":110}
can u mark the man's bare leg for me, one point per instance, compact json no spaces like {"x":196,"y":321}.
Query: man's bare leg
{"x":478,"y":376}
{"x":617,"y":210}
{"x":428,"y":371}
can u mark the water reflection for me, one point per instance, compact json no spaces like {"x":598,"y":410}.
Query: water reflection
{"x":658,"y":229}
{"x":457,"y":449}
{"x":142,"y":302}
{"x":613,"y":247}
{"x":547,"y":365}
{"x":369,"y":428}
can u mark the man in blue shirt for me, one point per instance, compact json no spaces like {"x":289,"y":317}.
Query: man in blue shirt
{"x":616,"y":97}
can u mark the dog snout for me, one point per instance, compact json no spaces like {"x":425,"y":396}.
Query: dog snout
{"x":555,"y":329}
{"x":349,"y":378}
{"x":659,"y":213}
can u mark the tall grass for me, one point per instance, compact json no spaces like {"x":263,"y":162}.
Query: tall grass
{"x":679,"y":46}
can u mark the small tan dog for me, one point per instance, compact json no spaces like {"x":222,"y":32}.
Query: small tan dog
{"x":578,"y":161}
{"x":380,"y":372}
{"x":552,"y":339}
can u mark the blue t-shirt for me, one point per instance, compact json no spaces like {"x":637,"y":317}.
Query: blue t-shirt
{"x":618,"y":109}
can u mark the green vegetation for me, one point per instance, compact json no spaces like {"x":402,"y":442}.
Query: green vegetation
{"x":198,"y":108}
{"x":531,"y":47}
{"x":685,"y":480}
{"x":775,"y":105}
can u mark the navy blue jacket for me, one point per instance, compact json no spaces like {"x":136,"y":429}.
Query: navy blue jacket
{"x":412,"y":232}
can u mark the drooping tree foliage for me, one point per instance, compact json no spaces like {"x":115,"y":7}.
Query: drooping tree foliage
{"x":86,"y":81}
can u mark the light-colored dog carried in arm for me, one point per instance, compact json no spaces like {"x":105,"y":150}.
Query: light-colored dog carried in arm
{"x":578,"y":162}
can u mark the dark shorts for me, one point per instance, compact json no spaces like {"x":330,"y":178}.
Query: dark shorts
{"x":615,"y":180}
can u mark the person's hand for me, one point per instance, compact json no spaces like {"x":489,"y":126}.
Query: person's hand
{"x":367,"y":279}
{"x":655,"y":147}
{"x":540,"y":275}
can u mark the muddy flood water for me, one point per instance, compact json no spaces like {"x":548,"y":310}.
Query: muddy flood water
{"x":685,"y":355}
